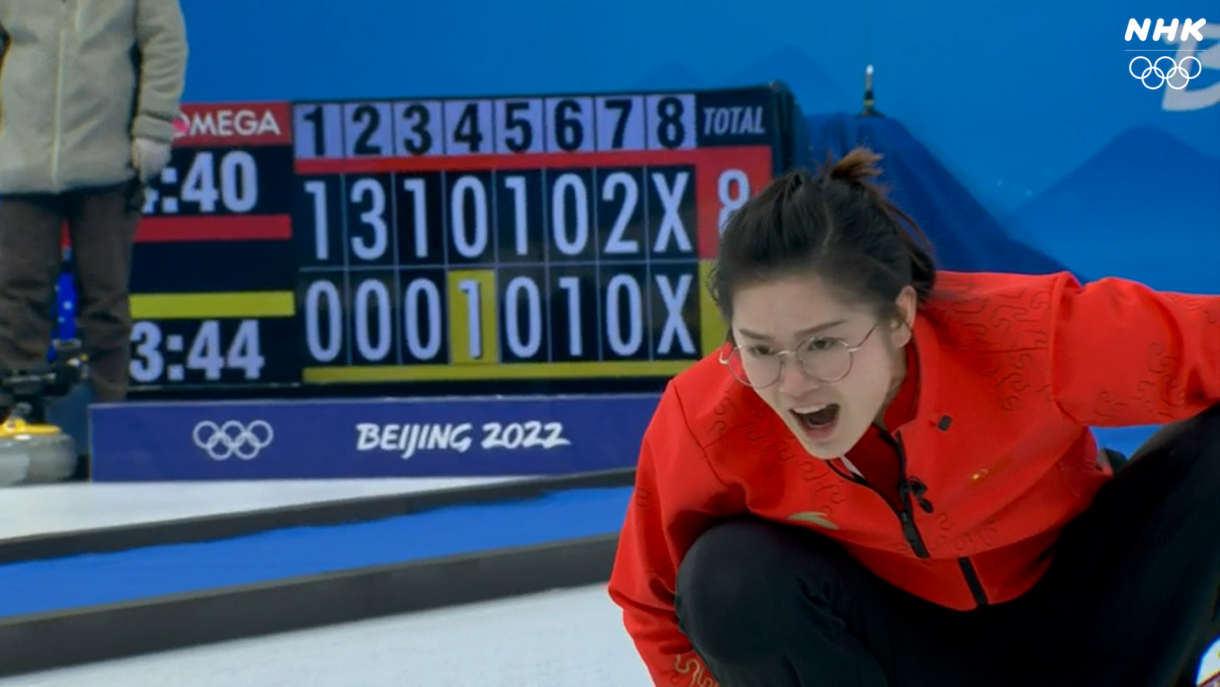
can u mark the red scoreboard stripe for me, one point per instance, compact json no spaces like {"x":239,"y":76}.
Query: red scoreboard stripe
{"x":214,"y":228}
{"x":463,"y":163}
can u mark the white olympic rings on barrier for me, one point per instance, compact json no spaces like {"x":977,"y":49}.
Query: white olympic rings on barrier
{"x":232,"y":438}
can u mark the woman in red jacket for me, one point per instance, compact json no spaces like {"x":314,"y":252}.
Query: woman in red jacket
{"x":886,"y":477}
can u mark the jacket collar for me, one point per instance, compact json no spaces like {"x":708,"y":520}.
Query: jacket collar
{"x":927,"y":352}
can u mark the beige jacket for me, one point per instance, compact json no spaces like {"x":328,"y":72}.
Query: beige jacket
{"x":79,"y":79}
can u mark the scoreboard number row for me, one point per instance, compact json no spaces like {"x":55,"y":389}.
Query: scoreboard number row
{"x":524,"y":216}
{"x":513,"y":315}
{"x":504,"y":126}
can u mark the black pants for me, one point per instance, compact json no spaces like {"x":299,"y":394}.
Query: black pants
{"x":1131,"y":598}
{"x":102,"y":226}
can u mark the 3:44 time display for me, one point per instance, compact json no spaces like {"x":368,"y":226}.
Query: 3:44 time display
{"x":196,"y":352}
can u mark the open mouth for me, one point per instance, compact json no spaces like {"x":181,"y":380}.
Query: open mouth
{"x":819,"y":422}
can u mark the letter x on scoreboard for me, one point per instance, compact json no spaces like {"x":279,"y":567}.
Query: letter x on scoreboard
{"x":529,"y":238}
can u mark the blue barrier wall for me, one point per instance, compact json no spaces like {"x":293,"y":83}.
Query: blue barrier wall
{"x":468,"y":437}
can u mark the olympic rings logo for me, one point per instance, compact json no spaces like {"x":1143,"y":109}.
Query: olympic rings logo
{"x":224,"y":441}
{"x":1176,"y":69}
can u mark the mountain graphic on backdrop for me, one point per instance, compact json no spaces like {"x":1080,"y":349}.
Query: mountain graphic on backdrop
{"x":1147,"y":188}
{"x":813,"y":87}
{"x":670,"y":76}
{"x":964,"y":235}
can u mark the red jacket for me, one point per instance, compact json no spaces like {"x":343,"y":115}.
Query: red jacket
{"x":996,"y":450}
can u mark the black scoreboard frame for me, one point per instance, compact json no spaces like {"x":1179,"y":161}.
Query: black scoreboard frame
{"x":269,"y":271}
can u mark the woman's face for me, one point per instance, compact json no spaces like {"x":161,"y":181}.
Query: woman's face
{"x":800,"y":314}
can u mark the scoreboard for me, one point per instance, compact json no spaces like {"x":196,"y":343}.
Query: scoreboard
{"x":212,"y":272}
{"x":436,"y":240}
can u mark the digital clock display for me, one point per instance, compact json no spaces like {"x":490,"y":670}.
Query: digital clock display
{"x":213,"y":272}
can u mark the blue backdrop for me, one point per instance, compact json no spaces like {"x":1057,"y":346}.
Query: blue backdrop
{"x":1030,"y":107}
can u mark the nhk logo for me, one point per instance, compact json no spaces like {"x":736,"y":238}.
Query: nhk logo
{"x":1190,"y":28}
{"x":1177,"y":70}
{"x":1165,"y":70}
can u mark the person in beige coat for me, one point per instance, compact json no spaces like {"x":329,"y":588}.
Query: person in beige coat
{"x":89,"y":90}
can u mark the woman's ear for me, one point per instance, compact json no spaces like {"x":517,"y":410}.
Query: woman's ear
{"x":907,"y":305}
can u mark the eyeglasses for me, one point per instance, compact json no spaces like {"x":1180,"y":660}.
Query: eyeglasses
{"x":820,"y":358}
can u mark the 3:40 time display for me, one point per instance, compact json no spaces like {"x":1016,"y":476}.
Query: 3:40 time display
{"x":227,"y":182}
{"x":193,"y":351}
{"x":221,"y":181}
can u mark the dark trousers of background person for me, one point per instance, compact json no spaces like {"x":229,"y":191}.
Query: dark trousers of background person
{"x":1130,"y":600}
{"x":102,"y":225}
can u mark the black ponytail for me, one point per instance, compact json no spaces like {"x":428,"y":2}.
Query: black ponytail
{"x":838,"y":224}
{"x":858,"y":169}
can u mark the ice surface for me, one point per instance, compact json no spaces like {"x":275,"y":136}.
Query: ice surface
{"x":567,"y":638}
